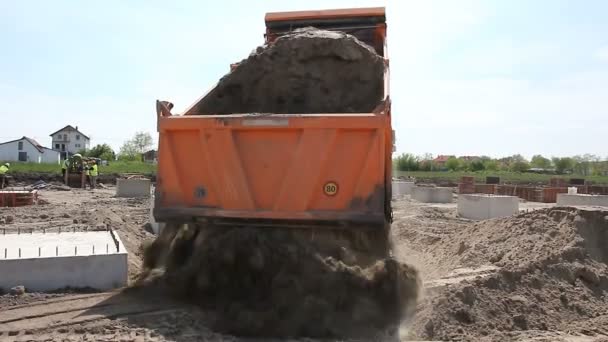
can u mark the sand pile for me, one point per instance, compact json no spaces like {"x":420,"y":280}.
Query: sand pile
{"x":307,"y":71}
{"x":268,"y":282}
{"x":553,"y":276}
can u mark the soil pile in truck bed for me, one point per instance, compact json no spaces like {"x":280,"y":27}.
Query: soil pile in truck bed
{"x":307,"y":71}
{"x":273,"y":283}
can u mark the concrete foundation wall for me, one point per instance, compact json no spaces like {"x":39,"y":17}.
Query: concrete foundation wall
{"x":483,"y":207}
{"x":50,"y":261}
{"x":400,"y":188}
{"x":103,"y":272}
{"x":157,"y":227}
{"x":133,"y":187}
{"x":583,"y":200}
{"x":432,"y":195}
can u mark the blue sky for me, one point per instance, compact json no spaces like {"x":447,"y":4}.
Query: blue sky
{"x":467,"y":77}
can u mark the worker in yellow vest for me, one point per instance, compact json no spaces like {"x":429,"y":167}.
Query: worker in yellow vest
{"x":93,"y":173}
{"x":64,"y":167}
{"x":86,"y":170}
{"x":3,"y":170}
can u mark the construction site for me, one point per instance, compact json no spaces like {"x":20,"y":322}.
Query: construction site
{"x":290,"y":226}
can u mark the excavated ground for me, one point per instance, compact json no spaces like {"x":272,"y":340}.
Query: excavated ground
{"x":536,"y":276}
{"x":268,"y":282}
{"x":307,"y":71}
{"x":540,"y":275}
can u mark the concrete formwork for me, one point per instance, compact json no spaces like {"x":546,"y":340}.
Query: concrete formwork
{"x":432,"y":195}
{"x":582,"y":199}
{"x":133,"y":187}
{"x":50,"y":261}
{"x":401,"y":188}
{"x":483,"y":207}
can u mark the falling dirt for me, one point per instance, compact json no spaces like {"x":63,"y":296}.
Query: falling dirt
{"x":307,"y":71}
{"x":268,"y":282}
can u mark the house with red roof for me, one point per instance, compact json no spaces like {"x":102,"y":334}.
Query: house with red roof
{"x":440,"y":160}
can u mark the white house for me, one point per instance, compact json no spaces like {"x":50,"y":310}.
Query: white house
{"x":28,"y":150}
{"x":69,"y":139}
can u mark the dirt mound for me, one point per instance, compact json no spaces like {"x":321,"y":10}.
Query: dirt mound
{"x":266,"y":282}
{"x":553,"y":276}
{"x":307,"y":71}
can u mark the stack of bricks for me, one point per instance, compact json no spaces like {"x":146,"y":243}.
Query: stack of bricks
{"x":531,"y":194}
{"x":466,"y":185}
{"x":18,"y":198}
{"x":597,"y":190}
{"x":489,"y":189}
{"x":550,"y":194}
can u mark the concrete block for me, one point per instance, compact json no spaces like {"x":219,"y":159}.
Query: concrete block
{"x":582,"y":200}
{"x":157,"y":227}
{"x":45,"y":262}
{"x":133,"y":187}
{"x":483,"y":207}
{"x":432,"y":195}
{"x":401,"y":188}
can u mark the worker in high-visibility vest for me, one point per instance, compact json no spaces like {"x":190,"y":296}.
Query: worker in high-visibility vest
{"x":93,"y":173}
{"x":64,"y":167}
{"x":3,"y":179}
{"x":87,"y":172}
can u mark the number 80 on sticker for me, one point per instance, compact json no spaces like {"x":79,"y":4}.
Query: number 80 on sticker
{"x":330,"y":188}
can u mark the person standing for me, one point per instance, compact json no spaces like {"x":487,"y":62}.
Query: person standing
{"x":86,"y":169}
{"x":3,"y":177}
{"x":93,"y":173}
{"x":64,"y":168}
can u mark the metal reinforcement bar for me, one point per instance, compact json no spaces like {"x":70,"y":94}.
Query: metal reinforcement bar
{"x":115,"y":240}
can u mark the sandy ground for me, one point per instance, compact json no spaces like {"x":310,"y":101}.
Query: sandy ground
{"x":492,"y":280}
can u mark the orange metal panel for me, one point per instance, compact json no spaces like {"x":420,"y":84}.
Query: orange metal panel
{"x":322,"y":14}
{"x":274,"y":166}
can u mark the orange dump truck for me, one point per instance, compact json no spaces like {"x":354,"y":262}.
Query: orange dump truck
{"x":313,"y":171}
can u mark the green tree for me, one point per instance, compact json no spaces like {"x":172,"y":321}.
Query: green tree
{"x":427,"y":165}
{"x":406,"y":162}
{"x":540,"y":162}
{"x":142,"y":142}
{"x":129,"y":152}
{"x":491,"y":165}
{"x":562,"y":165}
{"x":134,"y":148}
{"x":464,"y":164}
{"x":103,"y":151}
{"x":452,"y":164}
{"x":520,"y":166}
{"x":477,"y":165}
{"x":584,"y":165}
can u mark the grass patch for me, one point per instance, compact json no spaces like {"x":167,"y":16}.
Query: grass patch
{"x":114,"y":167}
{"x":505,"y":176}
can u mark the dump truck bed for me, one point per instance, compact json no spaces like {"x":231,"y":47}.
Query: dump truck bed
{"x":296,"y":168}
{"x":305,"y":167}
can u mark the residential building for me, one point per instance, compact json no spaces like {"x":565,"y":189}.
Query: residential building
{"x":27,"y":150}
{"x":69,"y":140}
{"x":440,"y":161}
{"x":151,"y":156}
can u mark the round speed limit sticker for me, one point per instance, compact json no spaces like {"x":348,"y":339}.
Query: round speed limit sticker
{"x":330,"y":188}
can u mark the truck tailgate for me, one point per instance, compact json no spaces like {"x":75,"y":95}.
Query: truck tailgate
{"x":288,"y":167}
